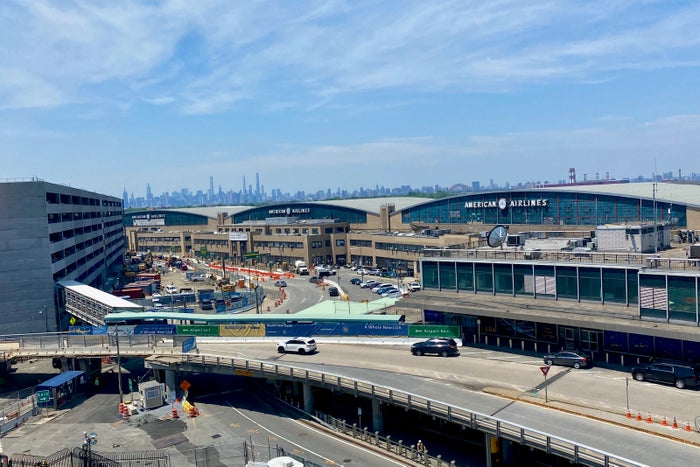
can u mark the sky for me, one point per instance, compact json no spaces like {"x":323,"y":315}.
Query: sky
{"x":110,"y":96}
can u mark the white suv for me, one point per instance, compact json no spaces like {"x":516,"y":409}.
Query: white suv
{"x":300,"y":345}
{"x":414,"y":286}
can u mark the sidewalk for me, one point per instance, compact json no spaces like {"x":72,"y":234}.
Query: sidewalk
{"x":648,"y":423}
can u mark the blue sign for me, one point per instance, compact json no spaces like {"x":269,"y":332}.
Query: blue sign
{"x":189,"y":344}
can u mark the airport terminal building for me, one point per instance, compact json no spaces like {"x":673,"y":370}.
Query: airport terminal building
{"x":582,"y":266}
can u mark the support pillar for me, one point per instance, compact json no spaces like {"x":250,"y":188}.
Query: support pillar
{"x":377,"y":415}
{"x":493,"y":450}
{"x":308,"y":398}
{"x":171,"y":382}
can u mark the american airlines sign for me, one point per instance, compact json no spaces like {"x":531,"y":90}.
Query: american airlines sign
{"x":290,"y":211}
{"x":505,"y":204}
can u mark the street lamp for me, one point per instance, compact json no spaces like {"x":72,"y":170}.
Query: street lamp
{"x":89,"y":441}
{"x":119,"y":363}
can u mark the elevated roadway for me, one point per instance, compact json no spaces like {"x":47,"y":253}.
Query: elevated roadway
{"x":584,"y":410}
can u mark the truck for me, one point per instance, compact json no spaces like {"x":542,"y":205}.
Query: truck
{"x":301,"y":267}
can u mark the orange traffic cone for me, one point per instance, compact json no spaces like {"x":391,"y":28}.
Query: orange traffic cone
{"x":639,"y":416}
{"x":649,"y":420}
{"x":664,"y":422}
{"x":687,"y":426}
{"x":629,"y":415}
{"x":675,"y":423}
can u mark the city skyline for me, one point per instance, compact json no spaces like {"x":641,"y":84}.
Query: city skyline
{"x":319,"y":95}
{"x":250,"y":195}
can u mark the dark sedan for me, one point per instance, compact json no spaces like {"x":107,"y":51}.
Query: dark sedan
{"x":438,"y":346}
{"x":568,"y":358}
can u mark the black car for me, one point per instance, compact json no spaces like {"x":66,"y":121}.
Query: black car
{"x":437,"y":345}
{"x":681,"y":375}
{"x":355,"y":280}
{"x":313,"y":279}
{"x":569,"y":358}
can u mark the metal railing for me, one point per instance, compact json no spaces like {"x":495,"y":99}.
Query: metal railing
{"x":587,"y":257}
{"x":242,"y":366}
{"x":499,"y":428}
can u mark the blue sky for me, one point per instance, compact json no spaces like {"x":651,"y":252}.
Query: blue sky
{"x":108,"y":96}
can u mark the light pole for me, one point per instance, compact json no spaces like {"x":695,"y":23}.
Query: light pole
{"x":89,"y":441}
{"x":119,"y":363}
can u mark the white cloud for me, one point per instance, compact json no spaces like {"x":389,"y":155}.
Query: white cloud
{"x":211,"y":55}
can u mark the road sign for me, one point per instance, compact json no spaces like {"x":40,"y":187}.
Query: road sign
{"x":544,"y":369}
{"x":252,"y":254}
{"x":203,"y":251}
{"x":189,"y":344}
{"x":43,"y":396}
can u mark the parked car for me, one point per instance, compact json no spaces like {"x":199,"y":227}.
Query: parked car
{"x":171,"y":289}
{"x":300,"y":345}
{"x":681,"y":375}
{"x":333,"y":291}
{"x":355,"y":281}
{"x":313,"y":279}
{"x":436,"y":345}
{"x":383,"y":290}
{"x":383,"y":285}
{"x":569,"y":358}
{"x":414,"y":287}
{"x":362,"y":271}
{"x":395,"y":294}
{"x":281,"y":283}
{"x":368,"y":284}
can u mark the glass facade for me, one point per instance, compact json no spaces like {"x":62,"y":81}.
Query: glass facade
{"x":658,"y":296}
{"x":682,"y":298}
{"x":544,"y":208}
{"x":303,"y":211}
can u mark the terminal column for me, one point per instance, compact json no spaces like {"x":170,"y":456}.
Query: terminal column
{"x":377,"y":415}
{"x":308,"y":398}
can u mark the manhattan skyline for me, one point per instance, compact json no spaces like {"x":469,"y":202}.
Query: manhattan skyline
{"x":318,"y":95}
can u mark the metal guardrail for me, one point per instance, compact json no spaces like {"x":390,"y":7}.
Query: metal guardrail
{"x":551,"y":444}
{"x":593,"y":257}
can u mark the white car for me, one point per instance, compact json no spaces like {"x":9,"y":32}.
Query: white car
{"x":414,"y":286}
{"x":300,"y":345}
{"x":171,"y":289}
{"x":394,"y":294}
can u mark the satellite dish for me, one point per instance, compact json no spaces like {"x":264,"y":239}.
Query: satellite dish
{"x":497,"y":236}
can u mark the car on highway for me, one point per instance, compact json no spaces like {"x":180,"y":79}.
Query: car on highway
{"x":333,"y":291}
{"x":300,"y":345}
{"x":569,"y":358}
{"x":281,"y":283}
{"x":681,"y":375}
{"x":355,"y":281}
{"x":444,"y":347}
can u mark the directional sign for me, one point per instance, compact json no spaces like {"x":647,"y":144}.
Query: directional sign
{"x":43,"y":396}
{"x":545,"y":370}
{"x":252,"y":254}
{"x":189,"y":344}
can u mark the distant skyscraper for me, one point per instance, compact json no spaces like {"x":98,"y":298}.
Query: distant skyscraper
{"x":257,"y":185}
{"x":244,"y":185}
{"x":211,"y":187}
{"x":149,"y":195}
{"x":125,"y":198}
